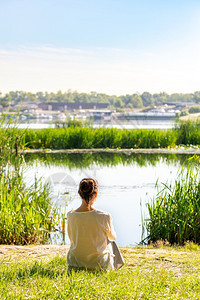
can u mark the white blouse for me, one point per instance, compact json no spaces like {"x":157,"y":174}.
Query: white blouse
{"x":89,"y":233}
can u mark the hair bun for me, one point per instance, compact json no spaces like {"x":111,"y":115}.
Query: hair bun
{"x":87,"y":186}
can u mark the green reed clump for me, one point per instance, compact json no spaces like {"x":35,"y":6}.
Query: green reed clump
{"x":174,"y":214}
{"x":11,"y":143}
{"x":73,"y":123}
{"x":188,"y":132}
{"x":87,"y":138}
{"x":26,"y":213}
{"x":185,"y":132}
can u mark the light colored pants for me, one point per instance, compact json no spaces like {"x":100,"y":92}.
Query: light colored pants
{"x":118,"y":258}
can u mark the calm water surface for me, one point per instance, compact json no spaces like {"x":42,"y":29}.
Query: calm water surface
{"x":132,"y":124}
{"x":126,"y":183}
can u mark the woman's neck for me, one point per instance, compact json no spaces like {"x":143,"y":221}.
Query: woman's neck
{"x":85,"y":207}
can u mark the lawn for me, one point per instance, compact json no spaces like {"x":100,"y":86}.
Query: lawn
{"x":40,"y":272}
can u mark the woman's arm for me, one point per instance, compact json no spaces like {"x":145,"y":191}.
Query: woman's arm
{"x":111,"y":234}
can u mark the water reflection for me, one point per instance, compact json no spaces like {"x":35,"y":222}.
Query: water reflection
{"x":84,"y":160}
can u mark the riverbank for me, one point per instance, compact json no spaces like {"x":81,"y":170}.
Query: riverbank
{"x":177,"y":150}
{"x":39,"y":272}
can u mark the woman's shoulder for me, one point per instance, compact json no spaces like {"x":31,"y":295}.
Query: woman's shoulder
{"x":102,"y":213}
{"x":97,"y":212}
{"x":70,"y":213}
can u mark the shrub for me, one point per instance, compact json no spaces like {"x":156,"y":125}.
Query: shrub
{"x":194,"y":109}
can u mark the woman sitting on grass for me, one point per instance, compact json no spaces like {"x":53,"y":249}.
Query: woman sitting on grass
{"x":90,"y":232}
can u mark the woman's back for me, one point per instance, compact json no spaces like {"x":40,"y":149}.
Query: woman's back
{"x":89,"y":232}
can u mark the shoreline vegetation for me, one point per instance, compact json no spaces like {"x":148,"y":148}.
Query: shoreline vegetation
{"x":185,"y":133}
{"x":26,"y":213}
{"x":174,"y":213}
{"x":154,"y":272}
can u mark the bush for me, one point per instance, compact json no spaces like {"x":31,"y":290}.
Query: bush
{"x":194,"y":109}
{"x":184,"y":113}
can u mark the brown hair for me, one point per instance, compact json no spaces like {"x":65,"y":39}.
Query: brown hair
{"x":88,"y":187}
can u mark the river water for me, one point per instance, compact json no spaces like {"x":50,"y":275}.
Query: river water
{"x":131,"y":124}
{"x":126,"y":183}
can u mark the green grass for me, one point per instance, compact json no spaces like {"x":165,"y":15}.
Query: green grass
{"x":149,"y":273}
{"x":174,"y":214}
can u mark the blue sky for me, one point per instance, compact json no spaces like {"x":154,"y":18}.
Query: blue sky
{"x":112,"y":46}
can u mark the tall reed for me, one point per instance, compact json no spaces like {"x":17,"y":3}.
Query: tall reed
{"x":185,"y":132}
{"x":174,"y":214}
{"x":26,"y":213}
{"x":188,"y":132}
{"x":87,"y":138}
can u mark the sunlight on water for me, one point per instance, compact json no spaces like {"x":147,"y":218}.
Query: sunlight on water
{"x":123,"y":189}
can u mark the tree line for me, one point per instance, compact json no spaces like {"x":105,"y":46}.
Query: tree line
{"x":124,"y":101}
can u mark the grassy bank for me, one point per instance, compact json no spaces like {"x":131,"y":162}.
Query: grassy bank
{"x":149,"y":273}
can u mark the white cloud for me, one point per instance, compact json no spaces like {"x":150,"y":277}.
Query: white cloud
{"x":111,"y":71}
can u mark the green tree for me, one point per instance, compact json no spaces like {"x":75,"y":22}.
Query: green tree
{"x":147,"y":99}
{"x":118,"y":103}
{"x":5,"y":100}
{"x":197,"y":97}
{"x":160,"y":98}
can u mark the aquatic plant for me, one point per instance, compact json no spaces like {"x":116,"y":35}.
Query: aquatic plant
{"x":73,"y":123}
{"x":77,"y":137}
{"x":188,"y":132}
{"x":26,"y":213}
{"x":185,"y":132}
{"x":87,"y":138}
{"x":174,"y":214}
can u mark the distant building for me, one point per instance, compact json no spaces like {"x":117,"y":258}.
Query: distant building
{"x":179,"y":104}
{"x":53,"y":106}
{"x":102,"y":115}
